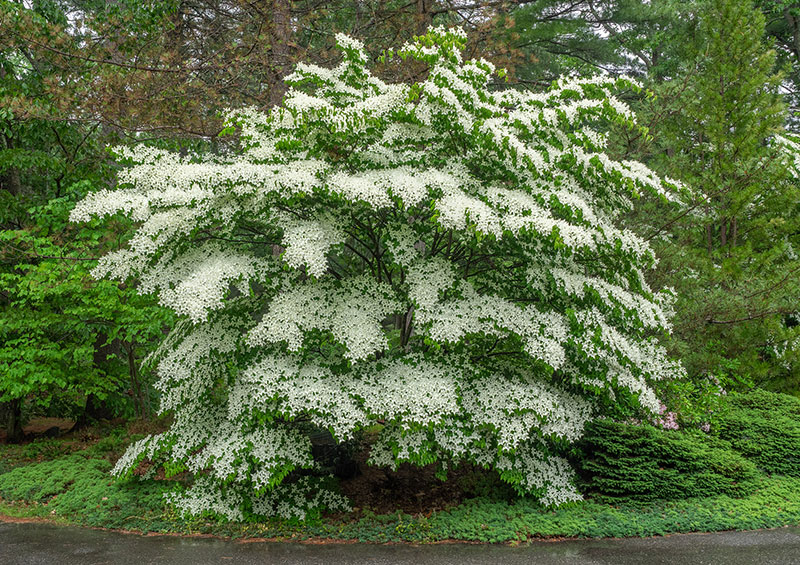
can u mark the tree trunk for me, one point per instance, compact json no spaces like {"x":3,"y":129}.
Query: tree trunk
{"x":13,"y":423}
{"x":95,"y":409}
{"x":141,"y":394}
{"x":280,"y":35}
{"x":424,"y":17}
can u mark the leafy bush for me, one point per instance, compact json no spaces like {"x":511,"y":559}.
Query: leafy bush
{"x":765,"y":428}
{"x":642,"y":463}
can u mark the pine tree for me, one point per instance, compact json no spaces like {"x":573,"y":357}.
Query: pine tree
{"x":731,"y":252}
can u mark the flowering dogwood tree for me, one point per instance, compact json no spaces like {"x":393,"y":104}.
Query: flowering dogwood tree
{"x":438,"y":258}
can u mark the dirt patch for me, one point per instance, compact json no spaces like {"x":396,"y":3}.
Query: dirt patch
{"x":153,"y":426}
{"x":37,"y":427}
{"x":20,"y":520}
{"x":410,"y":489}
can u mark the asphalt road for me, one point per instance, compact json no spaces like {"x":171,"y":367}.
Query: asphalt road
{"x":39,"y":544}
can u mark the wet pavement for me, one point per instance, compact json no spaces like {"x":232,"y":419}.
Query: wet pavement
{"x":39,"y":544}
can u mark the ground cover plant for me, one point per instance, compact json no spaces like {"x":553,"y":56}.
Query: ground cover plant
{"x":76,"y":489}
{"x":438,"y":258}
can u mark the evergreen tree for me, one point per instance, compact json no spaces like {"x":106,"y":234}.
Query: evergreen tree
{"x":730,"y":253}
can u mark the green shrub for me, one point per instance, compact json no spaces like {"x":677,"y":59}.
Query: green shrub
{"x":774,"y":503}
{"x":765,"y":428}
{"x":623,"y":462}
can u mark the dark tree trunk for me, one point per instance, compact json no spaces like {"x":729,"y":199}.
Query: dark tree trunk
{"x":424,"y":16}
{"x":141,"y":393}
{"x":13,"y":423}
{"x":95,"y":409}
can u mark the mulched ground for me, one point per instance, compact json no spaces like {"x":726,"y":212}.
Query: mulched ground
{"x":38,"y":426}
{"x":410,"y":489}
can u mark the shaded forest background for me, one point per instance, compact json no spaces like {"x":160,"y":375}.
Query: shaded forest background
{"x":723,"y":103}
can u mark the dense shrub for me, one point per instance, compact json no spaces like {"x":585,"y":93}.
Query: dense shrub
{"x":765,"y":428}
{"x":642,"y":463}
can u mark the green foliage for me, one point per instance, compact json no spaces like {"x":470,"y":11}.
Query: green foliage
{"x":57,"y":322}
{"x":775,"y":503}
{"x":783,"y":25}
{"x":79,"y":487}
{"x":697,"y":402}
{"x":44,"y":448}
{"x":540,"y":46}
{"x":58,"y":327}
{"x":625,"y":462}
{"x":765,"y":428}
{"x":729,"y":251}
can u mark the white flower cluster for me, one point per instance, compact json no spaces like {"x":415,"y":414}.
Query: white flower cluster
{"x":286,"y":500}
{"x":440,"y":258}
{"x":790,"y":147}
{"x":308,"y":242}
{"x":206,"y":497}
{"x":535,"y":471}
{"x":295,"y":499}
{"x":648,"y":312}
{"x":196,"y":283}
{"x":279,"y":385}
{"x":542,"y":333}
{"x":352,"y":310}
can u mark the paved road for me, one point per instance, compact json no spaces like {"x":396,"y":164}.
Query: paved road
{"x":44,"y":544}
